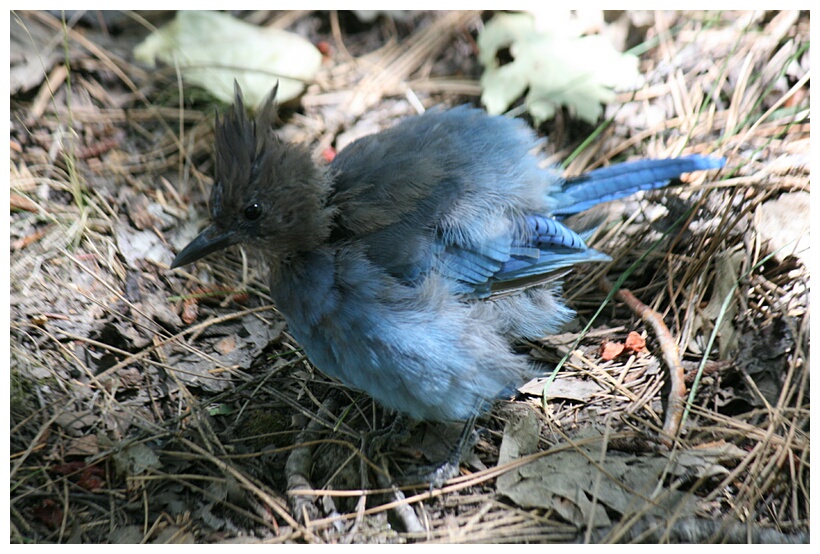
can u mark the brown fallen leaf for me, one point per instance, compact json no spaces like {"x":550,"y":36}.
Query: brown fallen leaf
{"x":92,"y":478}
{"x":634,"y":342}
{"x":50,"y":513}
{"x":610,"y":350}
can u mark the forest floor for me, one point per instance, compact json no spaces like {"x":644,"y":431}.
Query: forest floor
{"x":150,"y":405}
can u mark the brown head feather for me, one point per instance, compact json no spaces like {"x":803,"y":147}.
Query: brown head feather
{"x":267,"y":192}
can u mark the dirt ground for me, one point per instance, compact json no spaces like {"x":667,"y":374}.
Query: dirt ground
{"x":159,"y":406}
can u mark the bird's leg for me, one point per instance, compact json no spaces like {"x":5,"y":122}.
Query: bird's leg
{"x":438,"y":474}
{"x":387,"y":438}
{"x":300,"y":462}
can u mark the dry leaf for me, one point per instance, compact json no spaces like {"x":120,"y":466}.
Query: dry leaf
{"x":214,"y":49}
{"x":635,"y":342}
{"x":610,"y":350}
{"x":555,"y":67}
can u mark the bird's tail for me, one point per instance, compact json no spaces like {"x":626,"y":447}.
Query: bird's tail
{"x":617,"y":181}
{"x":548,"y":244}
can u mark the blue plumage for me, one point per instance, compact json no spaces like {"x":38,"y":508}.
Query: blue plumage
{"x":388,"y":264}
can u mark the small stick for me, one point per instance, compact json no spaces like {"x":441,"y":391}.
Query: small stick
{"x":670,"y":353}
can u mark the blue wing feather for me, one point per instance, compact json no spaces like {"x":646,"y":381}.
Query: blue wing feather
{"x":545,"y":244}
{"x":479,"y":210}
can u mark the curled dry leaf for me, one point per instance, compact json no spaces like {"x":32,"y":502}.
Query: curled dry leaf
{"x":634,"y":343}
{"x":610,"y":350}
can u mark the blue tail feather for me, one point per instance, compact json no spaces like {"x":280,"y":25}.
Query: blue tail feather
{"x":620,"y":180}
{"x":544,"y":243}
{"x":548,"y":245}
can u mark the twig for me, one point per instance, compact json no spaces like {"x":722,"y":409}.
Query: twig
{"x":299,"y":464}
{"x":403,"y":510}
{"x":670,"y":353}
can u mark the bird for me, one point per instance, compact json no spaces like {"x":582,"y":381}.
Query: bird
{"x":410,"y":265}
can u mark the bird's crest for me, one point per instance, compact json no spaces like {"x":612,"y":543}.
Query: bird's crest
{"x":240,"y":142}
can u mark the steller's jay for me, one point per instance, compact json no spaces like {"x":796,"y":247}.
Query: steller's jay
{"x":408,"y":266}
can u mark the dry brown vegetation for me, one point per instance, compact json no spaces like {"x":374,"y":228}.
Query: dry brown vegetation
{"x":150,"y":405}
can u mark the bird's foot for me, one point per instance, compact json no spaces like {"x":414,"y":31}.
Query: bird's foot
{"x":437,"y":474}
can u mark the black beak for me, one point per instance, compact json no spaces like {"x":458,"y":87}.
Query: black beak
{"x":210,"y":240}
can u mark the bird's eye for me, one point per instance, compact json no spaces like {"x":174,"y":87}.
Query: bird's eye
{"x":253,"y":211}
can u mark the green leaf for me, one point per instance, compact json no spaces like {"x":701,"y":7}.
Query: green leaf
{"x":213,"y":48}
{"x":558,"y":68}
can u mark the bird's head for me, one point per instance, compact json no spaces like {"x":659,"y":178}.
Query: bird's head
{"x":266,"y":193}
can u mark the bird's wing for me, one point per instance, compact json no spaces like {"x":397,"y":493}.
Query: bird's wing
{"x":424,"y":193}
{"x":460,"y":193}
{"x":534,"y":246}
